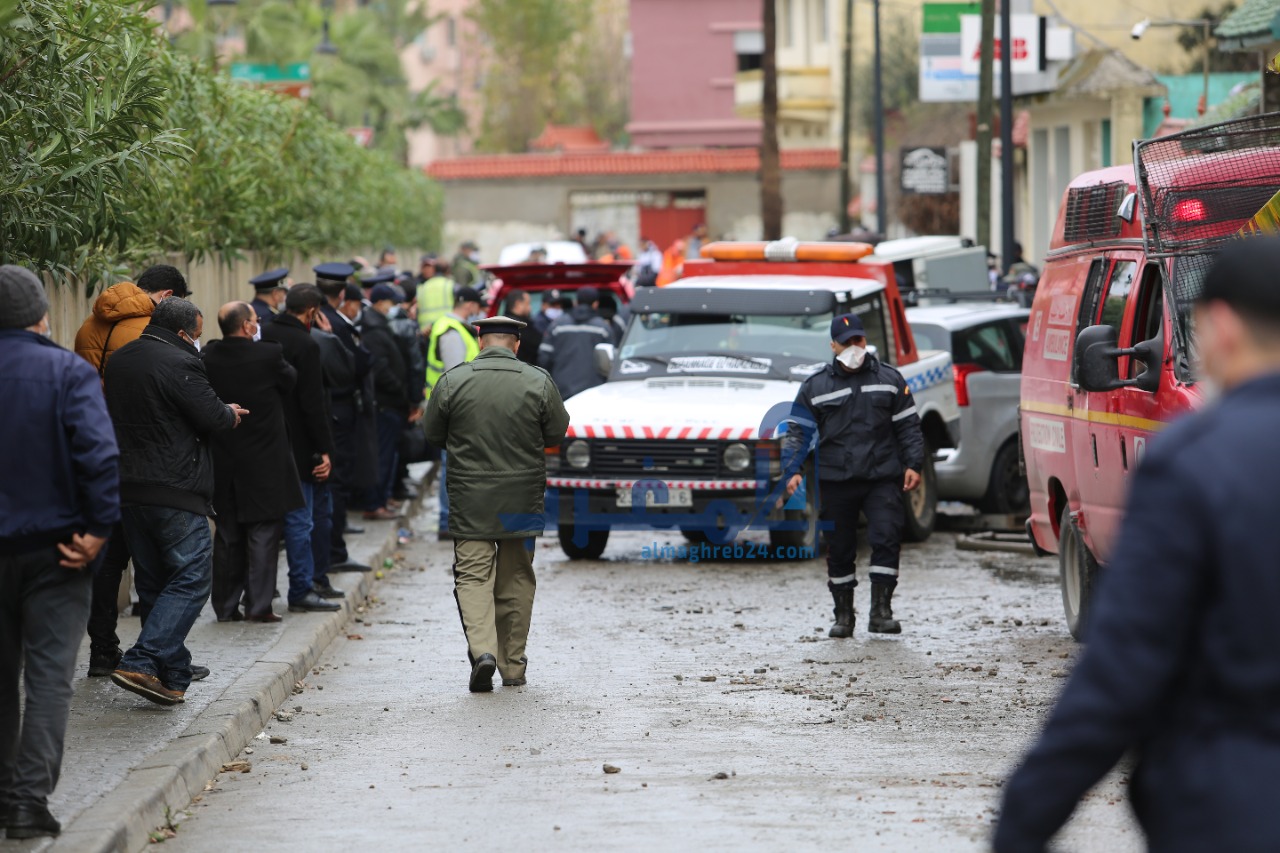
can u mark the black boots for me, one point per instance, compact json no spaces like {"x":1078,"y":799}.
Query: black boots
{"x":843,"y":597}
{"x":881,"y":621}
{"x":482,"y":674}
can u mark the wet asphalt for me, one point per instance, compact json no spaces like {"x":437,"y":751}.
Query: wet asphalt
{"x":733,"y":722}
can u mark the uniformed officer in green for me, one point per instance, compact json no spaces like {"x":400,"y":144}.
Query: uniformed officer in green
{"x":495,"y":416}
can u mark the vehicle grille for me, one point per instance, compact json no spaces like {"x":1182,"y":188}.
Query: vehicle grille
{"x":635,"y":458}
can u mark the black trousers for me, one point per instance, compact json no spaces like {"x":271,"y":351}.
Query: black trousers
{"x":246,"y":557}
{"x":103,"y":613}
{"x":44,"y":609}
{"x":344,"y":460}
{"x":881,"y":502}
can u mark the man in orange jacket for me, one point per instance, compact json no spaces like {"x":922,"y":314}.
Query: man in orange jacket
{"x":120,"y":313}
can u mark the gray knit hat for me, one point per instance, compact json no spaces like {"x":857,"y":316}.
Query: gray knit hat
{"x":22,"y":299}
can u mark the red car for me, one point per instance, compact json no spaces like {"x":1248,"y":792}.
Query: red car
{"x":538,"y":279}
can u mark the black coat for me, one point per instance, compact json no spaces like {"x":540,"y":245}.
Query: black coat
{"x":530,"y":340}
{"x":255,"y":478}
{"x":306,"y":412}
{"x":1180,"y":661}
{"x":164,"y":410}
{"x":390,"y":372}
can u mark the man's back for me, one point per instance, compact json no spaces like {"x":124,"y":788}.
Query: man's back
{"x":568,"y":346}
{"x":120,"y":313}
{"x":1181,"y":659}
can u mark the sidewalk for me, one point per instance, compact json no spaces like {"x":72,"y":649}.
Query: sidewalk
{"x":127,"y":762}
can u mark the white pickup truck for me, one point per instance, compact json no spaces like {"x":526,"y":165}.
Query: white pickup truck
{"x":685,"y":432}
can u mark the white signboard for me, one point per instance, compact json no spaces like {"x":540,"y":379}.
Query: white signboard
{"x":1026,"y":43}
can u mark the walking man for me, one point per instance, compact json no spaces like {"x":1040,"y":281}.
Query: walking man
{"x":496,"y":415}
{"x":869,"y":451}
{"x":59,"y":499}
{"x":255,"y":481}
{"x":120,"y":313}
{"x":164,"y":411}
{"x":1179,"y":661}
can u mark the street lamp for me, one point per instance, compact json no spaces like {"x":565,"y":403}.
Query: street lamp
{"x":1140,"y":28}
{"x":326,"y":46}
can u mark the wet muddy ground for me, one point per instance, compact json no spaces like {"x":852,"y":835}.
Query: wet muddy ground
{"x":712,"y":689}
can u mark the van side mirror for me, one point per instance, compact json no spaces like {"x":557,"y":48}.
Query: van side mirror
{"x":603,"y":355}
{"x":1097,"y":361}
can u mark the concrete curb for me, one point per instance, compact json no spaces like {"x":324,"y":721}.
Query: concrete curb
{"x":167,"y":781}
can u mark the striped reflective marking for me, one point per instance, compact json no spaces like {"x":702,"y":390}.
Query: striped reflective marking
{"x":905,"y":413}
{"x":892,"y":389}
{"x":882,"y":570}
{"x":595,"y":330}
{"x":1110,"y":418}
{"x":841,"y":580}
{"x":834,"y":395}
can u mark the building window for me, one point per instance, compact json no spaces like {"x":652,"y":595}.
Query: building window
{"x":1106,"y":142}
{"x":749,"y":47}
{"x":786,"y":30}
{"x":451,"y":32}
{"x":824,"y":22}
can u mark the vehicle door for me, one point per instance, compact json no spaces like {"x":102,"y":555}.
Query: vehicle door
{"x":988,"y":360}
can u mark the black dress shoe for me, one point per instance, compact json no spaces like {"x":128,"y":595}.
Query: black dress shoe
{"x":327,"y":591}
{"x":199,"y":673}
{"x":353,"y":529}
{"x":236,"y":616}
{"x":31,"y":822}
{"x":102,"y":664}
{"x":350,"y":566}
{"x":312,"y":603}
{"x":482,"y":674}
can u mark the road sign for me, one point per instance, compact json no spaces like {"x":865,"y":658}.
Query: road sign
{"x":292,"y":80}
{"x":925,"y":171}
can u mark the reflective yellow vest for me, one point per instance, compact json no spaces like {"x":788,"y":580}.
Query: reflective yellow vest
{"x":435,"y":365}
{"x":435,"y":299}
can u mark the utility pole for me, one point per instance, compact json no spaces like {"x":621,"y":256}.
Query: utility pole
{"x":985,"y":112}
{"x":770,"y":159}
{"x":882,"y":203}
{"x":1006,"y":135}
{"x":846,"y":118}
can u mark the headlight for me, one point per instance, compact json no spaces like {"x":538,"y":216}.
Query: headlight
{"x":737,"y":457}
{"x":578,"y":453}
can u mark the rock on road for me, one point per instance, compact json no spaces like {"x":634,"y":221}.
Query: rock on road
{"x":731,"y":719}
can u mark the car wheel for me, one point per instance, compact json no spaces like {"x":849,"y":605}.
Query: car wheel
{"x":591,"y":550}
{"x":921,"y":504}
{"x":1077,"y":570}
{"x":805,"y":538}
{"x":1007,"y":492}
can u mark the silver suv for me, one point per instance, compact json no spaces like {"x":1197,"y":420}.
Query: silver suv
{"x":985,"y":341}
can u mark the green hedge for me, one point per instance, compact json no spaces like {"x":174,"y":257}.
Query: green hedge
{"x":114,"y":147}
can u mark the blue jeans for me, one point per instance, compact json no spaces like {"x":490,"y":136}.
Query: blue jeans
{"x":299,"y":535}
{"x":173,"y":557}
{"x":321,"y":531}
{"x":390,"y":425}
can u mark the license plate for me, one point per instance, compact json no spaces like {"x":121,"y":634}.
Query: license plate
{"x":674,"y":497}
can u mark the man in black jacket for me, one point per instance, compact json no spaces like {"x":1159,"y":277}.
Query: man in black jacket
{"x":568,"y":348}
{"x":390,"y":390}
{"x":306,"y":415}
{"x":164,"y":411}
{"x":520,"y":307}
{"x":255,"y":481}
{"x":869,"y":451}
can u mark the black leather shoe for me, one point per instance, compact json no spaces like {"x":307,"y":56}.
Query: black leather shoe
{"x":312,"y":603}
{"x":31,"y":822}
{"x":350,"y":566}
{"x":482,"y":674}
{"x":327,"y":591}
{"x":102,"y":664}
{"x":199,"y":673}
{"x":353,"y":529}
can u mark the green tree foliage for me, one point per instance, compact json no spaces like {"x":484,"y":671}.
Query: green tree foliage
{"x":550,"y":61}
{"x":114,"y":148}
{"x":1191,"y":39}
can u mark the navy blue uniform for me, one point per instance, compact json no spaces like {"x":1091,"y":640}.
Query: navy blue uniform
{"x":263,"y":310}
{"x":868,"y":435}
{"x":1182,"y":662}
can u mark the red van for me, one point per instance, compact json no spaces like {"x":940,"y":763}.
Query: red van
{"x":1109,"y":357}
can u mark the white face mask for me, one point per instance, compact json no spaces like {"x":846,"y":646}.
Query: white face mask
{"x":852,"y":356}
{"x":553,"y":313}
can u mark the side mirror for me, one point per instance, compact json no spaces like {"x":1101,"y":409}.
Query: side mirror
{"x":1128,"y":207}
{"x":1097,"y":361}
{"x":604,"y":354}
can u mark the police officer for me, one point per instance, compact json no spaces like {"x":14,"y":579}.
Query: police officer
{"x":860,"y":415}
{"x":268,"y":294}
{"x":495,"y":415}
{"x":567,"y":349}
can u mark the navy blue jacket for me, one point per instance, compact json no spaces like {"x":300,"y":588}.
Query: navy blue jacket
{"x":58,"y":458}
{"x":1182,"y":662}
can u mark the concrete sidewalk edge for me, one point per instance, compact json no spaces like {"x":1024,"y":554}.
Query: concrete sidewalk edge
{"x":166,"y":782}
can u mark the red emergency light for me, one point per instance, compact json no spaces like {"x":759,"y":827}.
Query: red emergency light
{"x":1190,"y":210}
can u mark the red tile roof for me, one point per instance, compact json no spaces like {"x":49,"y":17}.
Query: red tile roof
{"x":557,"y":137}
{"x":703,"y":161}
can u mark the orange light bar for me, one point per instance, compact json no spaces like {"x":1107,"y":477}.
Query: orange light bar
{"x":786,"y":250}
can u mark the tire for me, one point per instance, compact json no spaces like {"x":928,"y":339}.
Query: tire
{"x":596,"y":540}
{"x":921,"y":505}
{"x":807,"y":538}
{"x":1007,"y":491}
{"x":1077,"y":572}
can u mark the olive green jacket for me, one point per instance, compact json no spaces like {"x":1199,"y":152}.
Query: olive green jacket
{"x":495,"y":416}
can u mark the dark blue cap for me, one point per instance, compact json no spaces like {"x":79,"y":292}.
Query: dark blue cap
{"x":383,"y":291}
{"x":847,"y":326}
{"x":334,"y":271}
{"x":378,"y":278}
{"x":270,"y":279}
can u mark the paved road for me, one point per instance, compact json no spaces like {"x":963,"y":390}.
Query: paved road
{"x":879,"y":743}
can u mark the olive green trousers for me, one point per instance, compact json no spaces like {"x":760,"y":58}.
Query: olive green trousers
{"x":493,"y":583}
